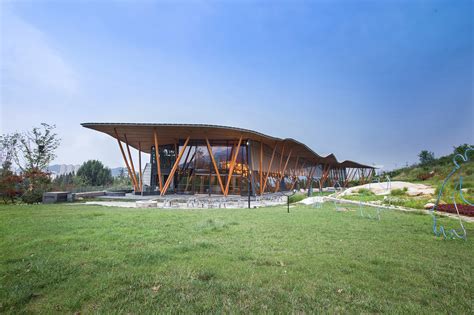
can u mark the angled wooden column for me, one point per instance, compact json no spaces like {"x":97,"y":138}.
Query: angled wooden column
{"x":325,"y":174}
{"x":296,"y":165}
{"x":309,"y":179}
{"x":232,"y":165}
{"x":281,"y":156}
{"x":215,"y":165}
{"x":294,"y":174}
{"x":157,"y":158}
{"x":131,"y":161}
{"x":260,"y":171}
{"x":124,"y":158}
{"x":346,"y":180}
{"x":369,"y":176}
{"x":140,"y":165}
{"x":269,"y":168}
{"x":175,"y":166}
{"x":361,"y":176}
{"x":282,"y":174}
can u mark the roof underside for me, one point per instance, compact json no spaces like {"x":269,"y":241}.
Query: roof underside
{"x":171,"y":133}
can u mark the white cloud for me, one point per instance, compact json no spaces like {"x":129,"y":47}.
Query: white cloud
{"x":29,"y":61}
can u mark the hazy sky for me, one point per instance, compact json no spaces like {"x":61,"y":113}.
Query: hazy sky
{"x":372,"y":81}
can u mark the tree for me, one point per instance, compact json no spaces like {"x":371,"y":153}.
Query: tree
{"x":8,"y":148}
{"x":95,"y":173}
{"x":10,"y":185}
{"x":426,"y":157}
{"x":461,"y":148}
{"x":36,"y":148}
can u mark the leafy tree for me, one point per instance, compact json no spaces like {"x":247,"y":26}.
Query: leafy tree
{"x":64,"y":181}
{"x":32,"y":152}
{"x":95,"y":173}
{"x":36,"y":148}
{"x":461,"y":148}
{"x":8,"y":148}
{"x":34,"y":184}
{"x":426,"y":157}
{"x":10,"y":185}
{"x":121,"y":173}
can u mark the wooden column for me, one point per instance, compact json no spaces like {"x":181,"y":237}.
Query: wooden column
{"x":131,"y":161}
{"x":260,"y":171}
{"x":269,"y":168}
{"x":232,"y":165}
{"x":157,"y":157}
{"x":140,"y":165}
{"x":310,"y":177}
{"x":124,"y":158}
{"x":175,"y":166}
{"x":294,"y":174}
{"x":282,"y":174}
{"x":209,"y":148}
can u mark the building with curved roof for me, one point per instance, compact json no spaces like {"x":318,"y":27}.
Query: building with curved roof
{"x":211,"y":159}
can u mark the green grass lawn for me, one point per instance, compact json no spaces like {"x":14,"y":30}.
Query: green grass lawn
{"x":77,"y":258}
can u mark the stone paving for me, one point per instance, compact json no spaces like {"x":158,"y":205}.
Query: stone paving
{"x":191,"y":201}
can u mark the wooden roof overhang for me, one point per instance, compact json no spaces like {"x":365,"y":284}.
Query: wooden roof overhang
{"x":172,"y":133}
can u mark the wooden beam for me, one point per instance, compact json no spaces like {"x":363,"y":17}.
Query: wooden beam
{"x":296,"y":165}
{"x":309,"y":179}
{"x":124,"y":158}
{"x":140,"y":165}
{"x":294,"y":173}
{"x":131,"y":161}
{"x":346,"y":180}
{"x":215,"y":165}
{"x":232,"y":165}
{"x":325,"y":174}
{"x":369,"y":176}
{"x":281,"y":156}
{"x":269,"y":168}
{"x":260,"y":171}
{"x":157,"y":158}
{"x":283,"y":172}
{"x":175,"y":166}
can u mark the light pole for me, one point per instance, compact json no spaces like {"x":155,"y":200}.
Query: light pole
{"x":288,"y":199}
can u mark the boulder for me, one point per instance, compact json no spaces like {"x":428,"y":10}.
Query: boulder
{"x":433,"y":200}
{"x":414,"y":193}
{"x":429,"y":205}
{"x":146,"y":204}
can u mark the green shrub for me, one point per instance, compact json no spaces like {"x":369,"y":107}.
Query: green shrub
{"x":32,"y":196}
{"x":297,"y":197}
{"x":398,"y":192}
{"x":365,"y":192}
{"x":35,"y":183}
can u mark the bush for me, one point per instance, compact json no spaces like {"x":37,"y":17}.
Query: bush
{"x":398,"y":192}
{"x":365,"y":192}
{"x":297,"y":197}
{"x":35,"y":183}
{"x":94,"y":173}
{"x":32,"y":196}
{"x":10,"y":186}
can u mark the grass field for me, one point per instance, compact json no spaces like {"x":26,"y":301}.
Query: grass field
{"x":76,"y":258}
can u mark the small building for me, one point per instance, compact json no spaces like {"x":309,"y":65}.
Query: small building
{"x":210,"y":159}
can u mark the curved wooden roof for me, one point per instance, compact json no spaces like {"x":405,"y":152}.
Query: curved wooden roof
{"x":171,"y":133}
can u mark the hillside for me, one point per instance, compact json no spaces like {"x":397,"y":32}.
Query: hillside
{"x":431,"y":173}
{"x":435,"y":172}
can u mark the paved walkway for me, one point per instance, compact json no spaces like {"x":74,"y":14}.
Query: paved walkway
{"x":192,"y":201}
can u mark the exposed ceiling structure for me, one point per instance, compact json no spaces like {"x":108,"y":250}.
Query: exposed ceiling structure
{"x":142,"y":135}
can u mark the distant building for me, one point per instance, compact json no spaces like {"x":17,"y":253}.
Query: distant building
{"x":62,"y":169}
{"x":211,"y":159}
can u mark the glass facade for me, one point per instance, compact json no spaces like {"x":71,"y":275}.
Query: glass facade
{"x":196,"y":171}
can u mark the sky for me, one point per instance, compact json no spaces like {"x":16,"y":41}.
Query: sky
{"x":370,"y":81}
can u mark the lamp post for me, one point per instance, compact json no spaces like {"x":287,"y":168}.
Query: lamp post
{"x":288,"y":199}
